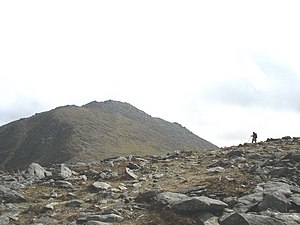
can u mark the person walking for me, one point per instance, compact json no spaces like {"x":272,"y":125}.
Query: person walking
{"x":254,"y":137}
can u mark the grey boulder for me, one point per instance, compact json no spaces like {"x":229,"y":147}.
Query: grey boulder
{"x":199,"y":204}
{"x":248,"y":219}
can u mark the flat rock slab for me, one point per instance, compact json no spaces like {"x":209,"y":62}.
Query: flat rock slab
{"x":106,"y":218}
{"x":101,"y":185}
{"x":169,"y":198}
{"x":198,"y":204}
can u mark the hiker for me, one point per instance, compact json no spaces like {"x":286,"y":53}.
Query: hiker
{"x":254,"y":137}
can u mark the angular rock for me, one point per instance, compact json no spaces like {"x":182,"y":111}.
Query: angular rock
{"x":147,"y":195}
{"x":288,"y":218}
{"x":10,"y":211}
{"x":91,"y":173}
{"x":9,"y":195}
{"x":293,"y":156}
{"x":120,"y":159}
{"x":101,"y":185}
{"x":217,"y":169}
{"x":234,"y":153}
{"x":8,"y":178}
{"x":295,"y":199}
{"x":130,"y":173}
{"x":246,"y":202}
{"x":199,"y":204}
{"x":74,"y":203}
{"x":37,"y":170}
{"x":233,"y":219}
{"x":169,"y":198}
{"x":198,"y":190}
{"x":64,"y":171}
{"x":276,"y":186}
{"x":137,"y":185}
{"x":248,"y":219}
{"x":4,"y":220}
{"x":133,"y":166}
{"x":275,"y":201}
{"x":158,"y":175}
{"x":279,"y":171}
{"x":50,"y":206}
{"x":63,"y":184}
{"x":108,"y":175}
{"x":262,"y":220}
{"x":231,"y":201}
{"x":106,"y":218}
{"x":53,"y":194}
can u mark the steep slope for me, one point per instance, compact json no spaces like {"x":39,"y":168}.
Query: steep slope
{"x":92,"y":132}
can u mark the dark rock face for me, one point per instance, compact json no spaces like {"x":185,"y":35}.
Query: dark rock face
{"x":9,"y":195}
{"x":274,"y":201}
{"x":170,"y":198}
{"x":233,"y":219}
{"x":176,"y":188}
{"x":248,"y":219}
{"x":92,"y":132}
{"x":199,"y":204}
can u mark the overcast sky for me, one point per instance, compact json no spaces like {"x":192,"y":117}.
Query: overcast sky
{"x":220,"y":68}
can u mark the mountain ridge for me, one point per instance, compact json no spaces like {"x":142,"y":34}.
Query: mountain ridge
{"x":93,"y":131}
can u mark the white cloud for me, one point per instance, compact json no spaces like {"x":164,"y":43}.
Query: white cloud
{"x":168,"y":58}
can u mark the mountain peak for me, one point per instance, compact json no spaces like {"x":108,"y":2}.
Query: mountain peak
{"x":92,"y":132}
{"x":109,"y":104}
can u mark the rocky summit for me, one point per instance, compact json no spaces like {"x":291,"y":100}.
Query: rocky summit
{"x":249,"y":184}
{"x":94,"y":131}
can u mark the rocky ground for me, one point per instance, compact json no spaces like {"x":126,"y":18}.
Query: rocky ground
{"x":248,"y":184}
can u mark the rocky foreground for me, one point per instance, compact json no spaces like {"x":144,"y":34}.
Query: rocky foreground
{"x":248,"y":184}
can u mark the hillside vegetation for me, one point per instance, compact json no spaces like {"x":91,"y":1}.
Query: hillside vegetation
{"x":92,"y":132}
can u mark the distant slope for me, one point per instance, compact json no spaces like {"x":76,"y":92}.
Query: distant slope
{"x":92,"y":132}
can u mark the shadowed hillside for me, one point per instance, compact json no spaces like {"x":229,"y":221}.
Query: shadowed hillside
{"x":92,"y":132}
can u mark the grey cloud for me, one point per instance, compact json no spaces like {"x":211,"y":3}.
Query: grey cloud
{"x":20,"y":108}
{"x":281,"y":95}
{"x":275,"y":70}
{"x":235,"y":134}
{"x":285,"y":92}
{"x":238,"y":92}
